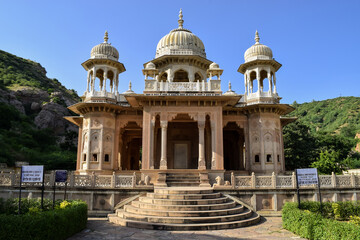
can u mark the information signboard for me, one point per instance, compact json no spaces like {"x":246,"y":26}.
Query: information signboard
{"x":60,"y":176}
{"x":32,"y":173}
{"x":307,"y":176}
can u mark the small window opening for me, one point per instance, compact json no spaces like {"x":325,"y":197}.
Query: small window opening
{"x":94,"y":157}
{"x":278,"y":158}
{"x":257,"y":158}
{"x":84,"y":157}
{"x":268,"y":158}
{"x":107,"y":159}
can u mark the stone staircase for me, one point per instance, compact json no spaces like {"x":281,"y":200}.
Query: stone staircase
{"x":184,"y":208}
{"x":182,"y":179}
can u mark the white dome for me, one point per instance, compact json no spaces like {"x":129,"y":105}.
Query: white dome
{"x":258,"y":51}
{"x":105,"y":50}
{"x":180,"y":41}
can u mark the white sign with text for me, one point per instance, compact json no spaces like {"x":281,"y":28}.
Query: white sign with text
{"x":32,"y":173}
{"x":307,"y":176}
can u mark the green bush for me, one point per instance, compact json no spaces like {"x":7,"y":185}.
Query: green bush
{"x":60,"y":223}
{"x":312,"y":225}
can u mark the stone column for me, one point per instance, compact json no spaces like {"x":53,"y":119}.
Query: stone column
{"x":93,"y":80}
{"x":105,"y":77}
{"x":80,"y":149}
{"x":88,"y":146}
{"x":274,"y":80}
{"x":213,"y":162}
{"x":152,"y":143}
{"x":270,"y":82}
{"x":163,"y":159}
{"x":201,"y":163}
{"x":88,"y":81}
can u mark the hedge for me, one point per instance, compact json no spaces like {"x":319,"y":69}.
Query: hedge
{"x":56,"y":224}
{"x":312,"y":225}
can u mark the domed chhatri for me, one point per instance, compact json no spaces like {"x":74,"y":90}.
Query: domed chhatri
{"x":105,"y":50}
{"x":180,"y":41}
{"x":258,"y":51}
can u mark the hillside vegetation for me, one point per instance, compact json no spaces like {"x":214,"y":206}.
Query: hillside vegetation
{"x":32,"y":107}
{"x":338,"y":115}
{"x":324,"y":135}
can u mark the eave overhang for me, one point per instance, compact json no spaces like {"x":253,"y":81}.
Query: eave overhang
{"x":90,"y":63}
{"x":271,"y":62}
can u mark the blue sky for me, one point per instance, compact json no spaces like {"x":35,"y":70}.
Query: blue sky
{"x":315,"y":41}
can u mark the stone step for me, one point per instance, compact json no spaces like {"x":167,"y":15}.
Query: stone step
{"x":172,"y":213}
{"x":186,"y":220}
{"x":225,"y":205}
{"x":184,"y":196}
{"x":183,"y":202}
{"x":255,"y":218}
{"x":182,"y":184}
{"x":183,"y":190}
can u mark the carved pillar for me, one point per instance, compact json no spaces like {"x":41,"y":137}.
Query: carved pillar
{"x":245,"y":83}
{"x":163,"y":159}
{"x":258,"y":79}
{"x":201,"y":163}
{"x":105,"y":77}
{"x":80,"y":149}
{"x":88,"y":146}
{"x":152,"y":143}
{"x":146,"y":139}
{"x":274,"y":80}
{"x":213,"y":163}
{"x":88,"y":81}
{"x":93,"y":80}
{"x":270,"y":82}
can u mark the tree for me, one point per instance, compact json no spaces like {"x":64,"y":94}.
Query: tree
{"x":300,"y":146}
{"x":328,"y":162}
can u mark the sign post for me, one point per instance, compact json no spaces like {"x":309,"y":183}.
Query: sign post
{"x":305,"y":177}
{"x":32,"y":174}
{"x":60,"y":176}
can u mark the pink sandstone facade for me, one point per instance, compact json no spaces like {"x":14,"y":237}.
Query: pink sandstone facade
{"x":182,"y":122}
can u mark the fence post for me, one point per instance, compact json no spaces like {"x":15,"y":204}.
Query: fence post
{"x":113,"y":179}
{"x":52,"y":178}
{"x":333,"y":180}
{"x":93,"y":179}
{"x":13,"y":178}
{"x":352,"y":180}
{"x":72,"y":179}
{"x":253,"y":180}
{"x":273,"y":180}
{"x":233,"y":183}
{"x":293,"y":178}
{"x":134,"y":180}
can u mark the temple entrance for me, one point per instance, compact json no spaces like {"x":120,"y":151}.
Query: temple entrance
{"x":234,"y":149}
{"x":130,"y":147}
{"x":181,"y":155}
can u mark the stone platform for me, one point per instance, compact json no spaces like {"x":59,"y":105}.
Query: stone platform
{"x":184,"y":208}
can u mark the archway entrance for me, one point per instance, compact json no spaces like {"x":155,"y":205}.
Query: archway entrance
{"x":234,"y":149}
{"x":130,"y":150}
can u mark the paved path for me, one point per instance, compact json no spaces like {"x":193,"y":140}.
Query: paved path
{"x":100,"y":228}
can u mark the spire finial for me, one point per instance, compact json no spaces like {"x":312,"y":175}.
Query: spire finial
{"x":257,"y":38}
{"x":180,"y":21}
{"x":230,"y":86}
{"x":106,"y":37}
{"x":129,"y":86}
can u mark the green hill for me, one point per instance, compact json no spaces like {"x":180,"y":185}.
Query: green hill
{"x":337,"y":116}
{"x":32,"y":107}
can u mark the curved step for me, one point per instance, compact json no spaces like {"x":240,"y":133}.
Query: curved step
{"x":184,"y":196}
{"x":183,"y":227}
{"x":225,"y":205}
{"x":187,"y":220}
{"x":184,"y":202}
{"x":183,"y":190}
{"x":172,"y":213}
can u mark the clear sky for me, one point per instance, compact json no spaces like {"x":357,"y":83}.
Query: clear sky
{"x":315,"y":41}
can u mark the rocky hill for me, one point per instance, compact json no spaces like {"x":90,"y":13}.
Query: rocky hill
{"x":336,"y":116}
{"x":33,"y":105}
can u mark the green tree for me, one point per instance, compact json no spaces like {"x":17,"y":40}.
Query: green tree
{"x":300,"y":146}
{"x":328,"y":162}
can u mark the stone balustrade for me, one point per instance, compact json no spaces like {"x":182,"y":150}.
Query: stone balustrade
{"x":12,"y":179}
{"x":289,"y":182}
{"x":199,"y":86}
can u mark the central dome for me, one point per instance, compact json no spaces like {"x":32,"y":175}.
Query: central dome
{"x":180,"y":41}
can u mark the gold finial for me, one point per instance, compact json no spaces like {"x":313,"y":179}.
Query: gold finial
{"x":257,"y":38}
{"x":180,"y":21}
{"x":106,"y":37}
{"x":229,"y":86}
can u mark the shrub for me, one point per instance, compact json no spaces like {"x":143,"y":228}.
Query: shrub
{"x":60,"y":223}
{"x":312,"y":225}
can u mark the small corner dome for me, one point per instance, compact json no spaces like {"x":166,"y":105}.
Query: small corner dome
{"x":214,"y":65}
{"x":180,"y":41}
{"x":258,"y":51}
{"x":150,"y":65}
{"x":105,"y":50}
